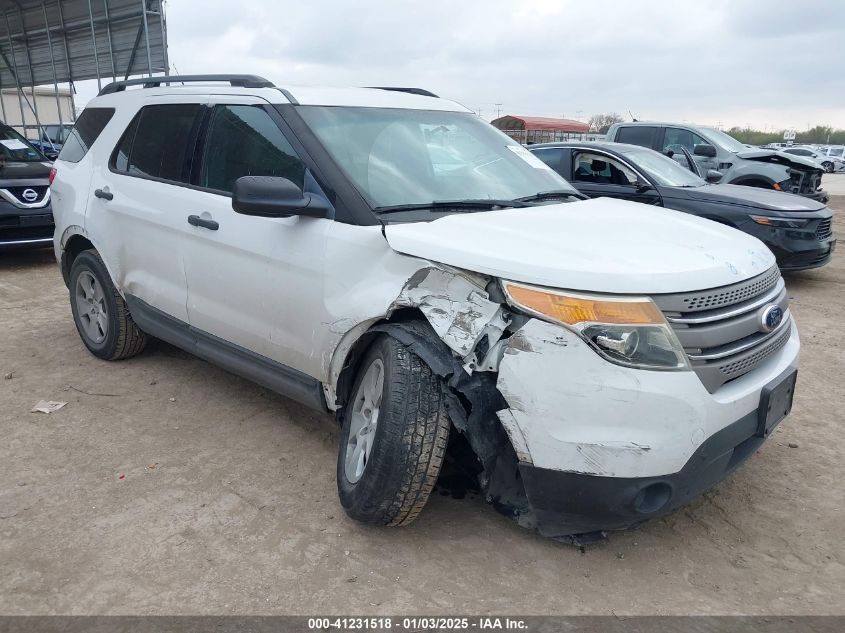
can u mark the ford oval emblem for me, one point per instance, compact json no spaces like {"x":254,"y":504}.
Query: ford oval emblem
{"x":770,"y":317}
{"x":30,"y":195}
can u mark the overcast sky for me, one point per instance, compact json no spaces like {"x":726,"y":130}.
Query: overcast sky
{"x":765,"y":63}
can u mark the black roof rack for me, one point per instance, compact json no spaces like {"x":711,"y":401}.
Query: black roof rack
{"x":413,"y":91}
{"x":239,"y":81}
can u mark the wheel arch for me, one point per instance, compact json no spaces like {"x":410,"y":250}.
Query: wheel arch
{"x":472,"y":400}
{"x":352,"y":348}
{"x":757,"y":180}
{"x":74,"y":240}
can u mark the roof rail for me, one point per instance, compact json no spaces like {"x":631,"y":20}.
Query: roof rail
{"x":413,"y":91}
{"x":239,"y":81}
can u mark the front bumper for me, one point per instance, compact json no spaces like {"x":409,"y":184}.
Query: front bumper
{"x":819,"y":194}
{"x":25,"y":228}
{"x":603,"y":447}
{"x":796,"y":249}
{"x":566,"y":503}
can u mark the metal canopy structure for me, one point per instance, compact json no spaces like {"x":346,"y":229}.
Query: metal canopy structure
{"x":51,"y":42}
{"x":535,"y":129}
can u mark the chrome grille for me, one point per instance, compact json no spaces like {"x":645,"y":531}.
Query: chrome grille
{"x":720,"y":329}
{"x":824,"y":230}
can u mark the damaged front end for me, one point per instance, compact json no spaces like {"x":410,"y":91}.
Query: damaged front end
{"x":467,"y":334}
{"x":572,"y":436}
{"x":805,"y":176}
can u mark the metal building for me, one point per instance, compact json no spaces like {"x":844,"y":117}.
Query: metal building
{"x":46,"y":46}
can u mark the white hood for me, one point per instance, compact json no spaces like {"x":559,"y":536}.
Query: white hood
{"x":600,"y":245}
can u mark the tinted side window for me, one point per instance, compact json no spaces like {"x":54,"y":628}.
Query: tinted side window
{"x":244,"y":141}
{"x":677,"y":138}
{"x":88,"y":127}
{"x":159,"y":142}
{"x":637,"y":135}
{"x":552,"y":156}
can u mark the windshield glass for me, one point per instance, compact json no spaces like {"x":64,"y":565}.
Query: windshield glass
{"x":398,"y":157}
{"x":664,"y":170}
{"x":835,"y":151}
{"x":726,"y":142}
{"x":14,"y":147}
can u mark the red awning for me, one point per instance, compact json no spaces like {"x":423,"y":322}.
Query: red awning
{"x":539,"y":123}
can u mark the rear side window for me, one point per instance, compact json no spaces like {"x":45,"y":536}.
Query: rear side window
{"x":637,"y":135}
{"x":159,"y":142}
{"x":87,"y":129}
{"x":244,"y":141}
{"x":552,"y":156}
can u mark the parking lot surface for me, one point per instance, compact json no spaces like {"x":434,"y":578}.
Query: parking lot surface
{"x":834,"y":184}
{"x":166,"y":485}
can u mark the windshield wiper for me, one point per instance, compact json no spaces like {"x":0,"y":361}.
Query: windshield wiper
{"x":483,"y":203}
{"x":551,"y":195}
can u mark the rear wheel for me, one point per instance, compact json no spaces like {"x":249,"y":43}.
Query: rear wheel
{"x":100,"y":313}
{"x":394,"y":436}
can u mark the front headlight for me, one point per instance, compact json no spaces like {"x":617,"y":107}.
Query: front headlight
{"x":629,"y":331}
{"x":787,"y":223}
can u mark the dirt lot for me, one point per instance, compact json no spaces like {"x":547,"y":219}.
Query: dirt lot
{"x":169,"y":486}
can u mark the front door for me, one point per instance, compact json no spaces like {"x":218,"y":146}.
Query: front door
{"x":676,"y":139}
{"x":253,"y":281}
{"x":596,"y":174}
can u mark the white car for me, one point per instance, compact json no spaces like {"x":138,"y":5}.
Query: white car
{"x":830,"y":163}
{"x":606,"y":361}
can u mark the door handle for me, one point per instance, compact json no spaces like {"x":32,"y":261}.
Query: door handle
{"x":195,"y":220}
{"x":105,"y":195}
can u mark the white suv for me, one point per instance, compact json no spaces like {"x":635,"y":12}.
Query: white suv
{"x":386,"y":255}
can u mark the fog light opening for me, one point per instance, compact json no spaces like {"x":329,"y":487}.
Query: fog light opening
{"x":652,"y":498}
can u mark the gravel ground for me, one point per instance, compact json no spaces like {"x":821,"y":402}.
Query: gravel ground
{"x":169,"y":486}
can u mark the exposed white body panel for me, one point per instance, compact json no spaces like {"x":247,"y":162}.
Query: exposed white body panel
{"x":573,"y":407}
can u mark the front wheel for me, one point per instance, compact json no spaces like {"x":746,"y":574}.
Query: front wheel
{"x":394,"y":435}
{"x":828,"y":166}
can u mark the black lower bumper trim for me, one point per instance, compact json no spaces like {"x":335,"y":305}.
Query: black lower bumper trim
{"x":566,"y":503}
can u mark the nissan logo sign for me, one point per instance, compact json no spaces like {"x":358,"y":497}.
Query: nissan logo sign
{"x":30,"y":195}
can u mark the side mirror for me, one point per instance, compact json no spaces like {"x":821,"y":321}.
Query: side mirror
{"x":643,"y":186}
{"x":713,"y":176}
{"x":275,"y":197}
{"x":704,"y":150}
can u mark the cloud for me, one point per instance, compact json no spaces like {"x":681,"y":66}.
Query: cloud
{"x":759,"y":62}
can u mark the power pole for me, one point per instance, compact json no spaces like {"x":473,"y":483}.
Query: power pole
{"x":498,"y":109}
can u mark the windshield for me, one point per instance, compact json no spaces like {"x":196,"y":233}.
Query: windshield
{"x":14,"y":147}
{"x":662,"y":169}
{"x":835,"y":151}
{"x":398,"y":157}
{"x":726,"y":142}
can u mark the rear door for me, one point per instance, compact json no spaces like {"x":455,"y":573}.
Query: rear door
{"x":642,"y":135}
{"x":140,"y":200}
{"x":253,"y":281}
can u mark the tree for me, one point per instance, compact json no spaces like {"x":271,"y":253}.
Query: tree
{"x":600,"y":123}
